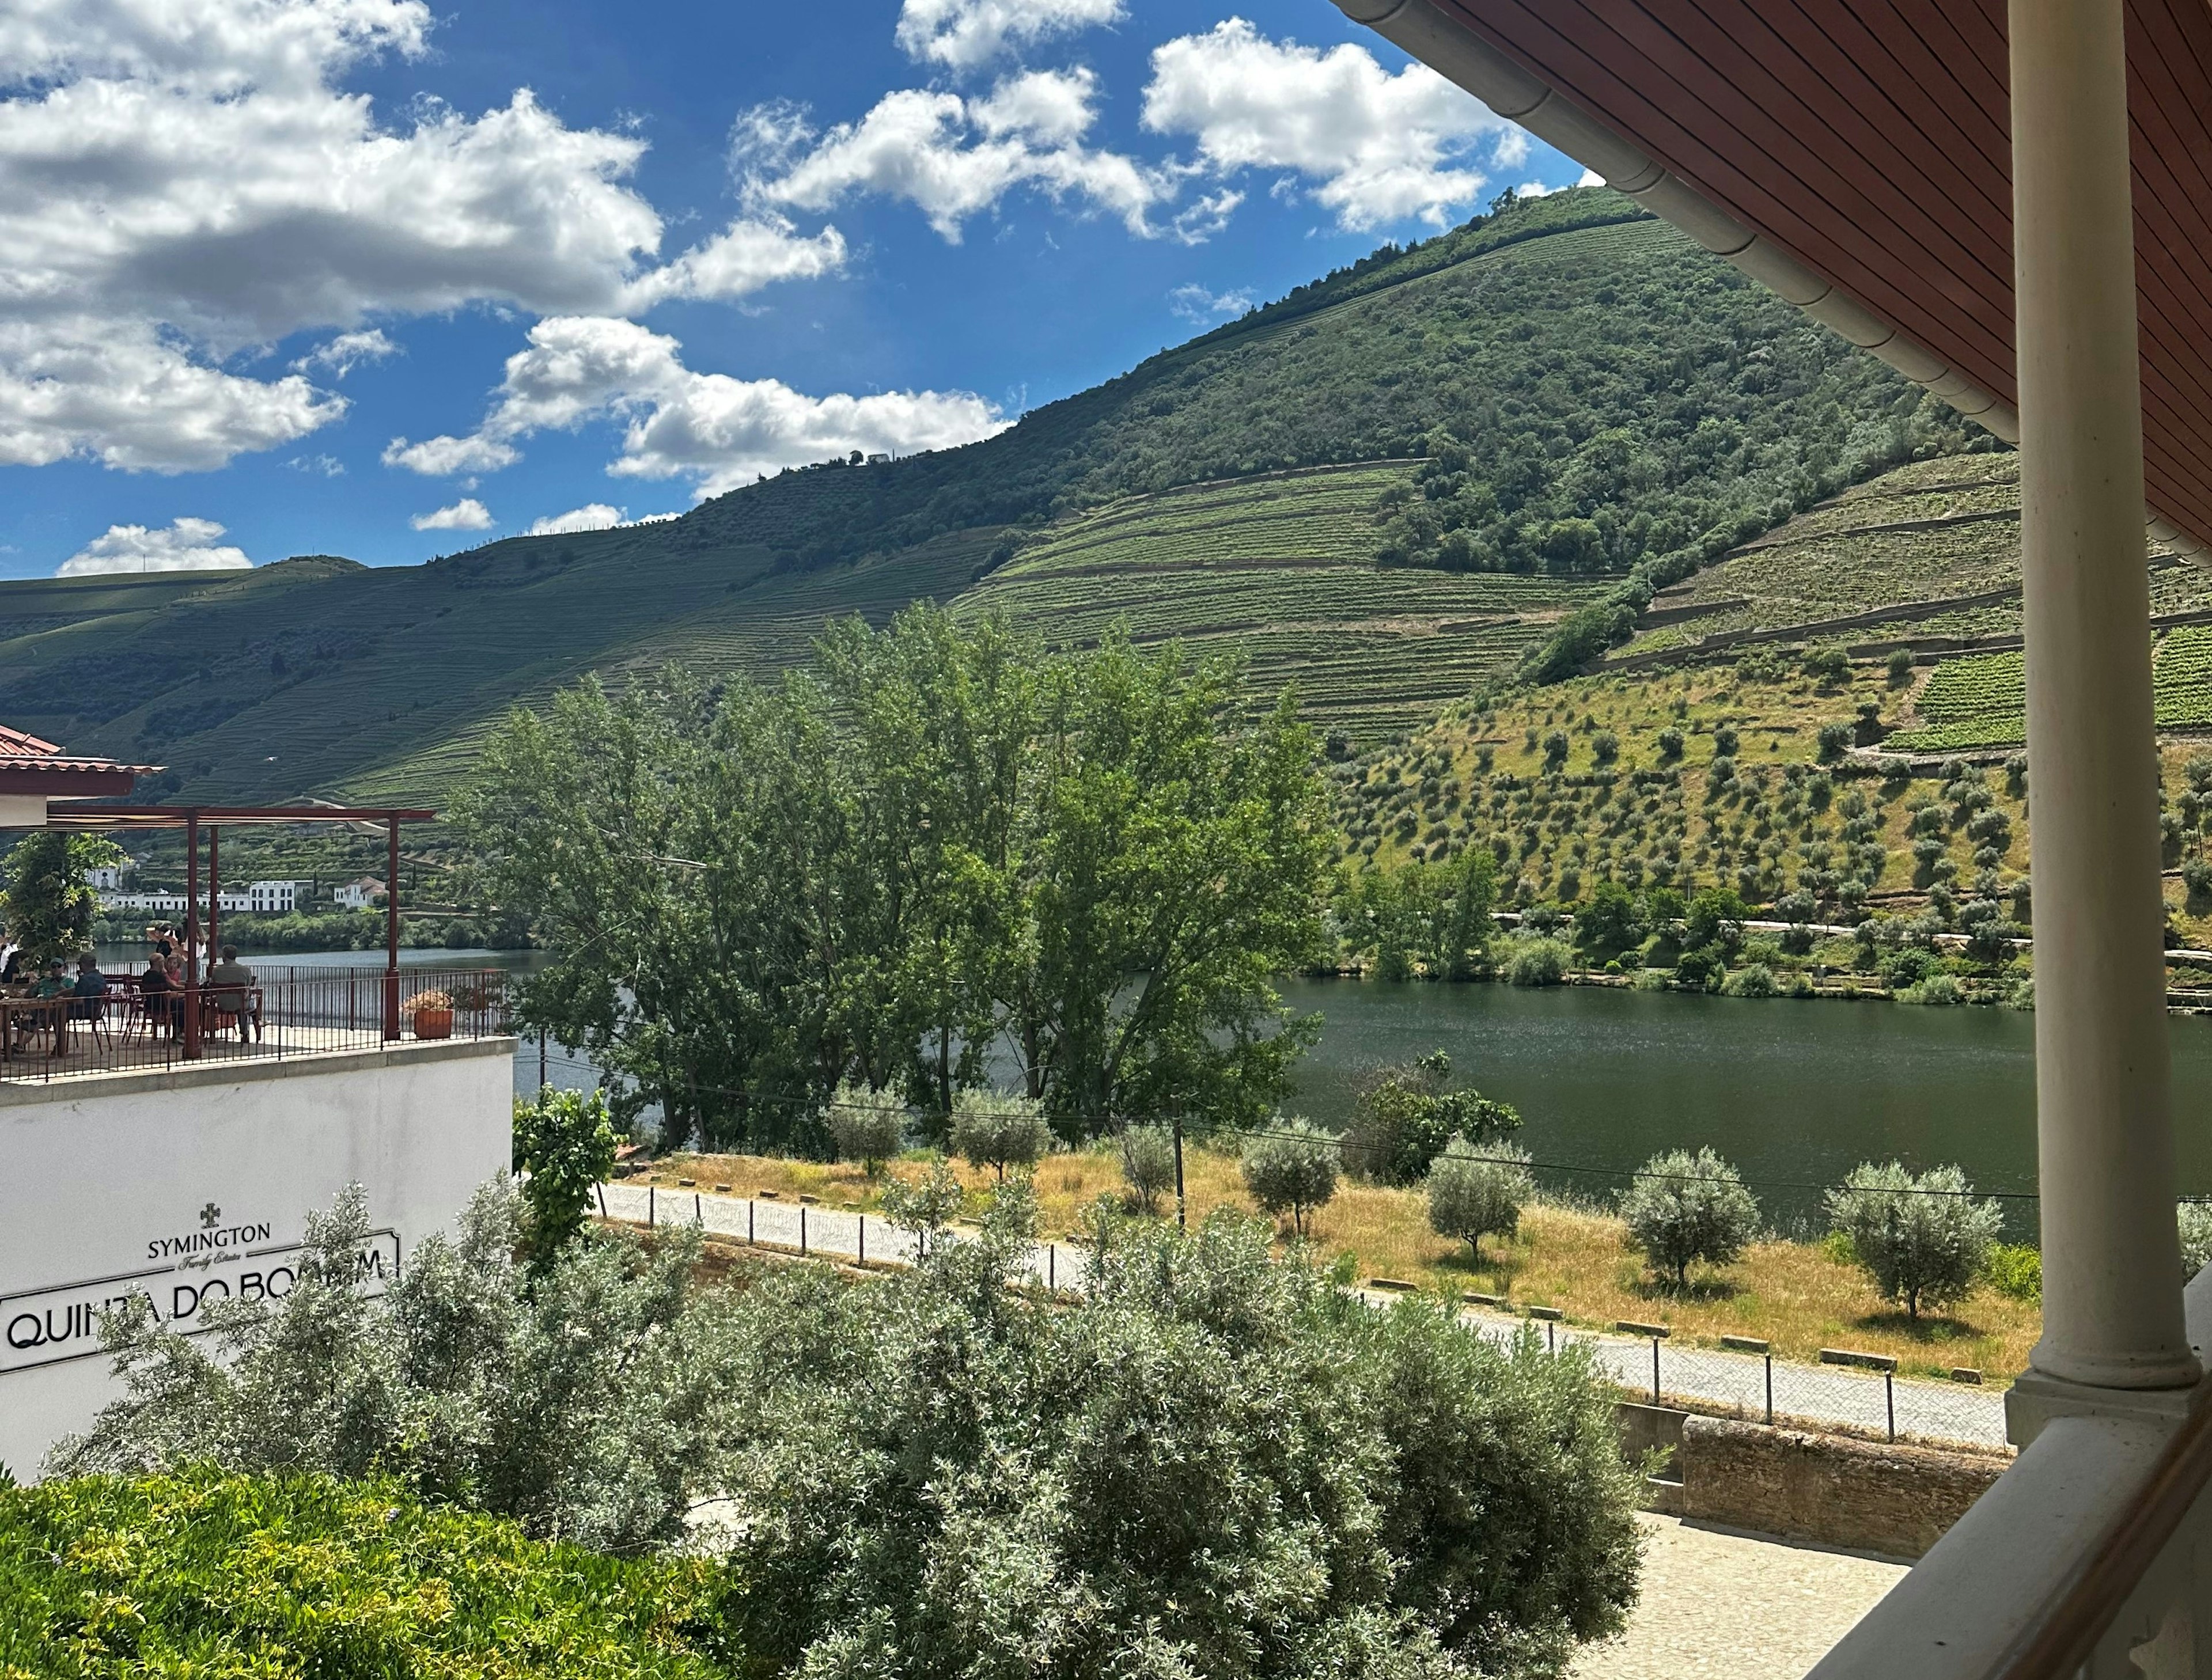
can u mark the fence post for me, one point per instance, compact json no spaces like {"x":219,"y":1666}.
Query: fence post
{"x":1550,"y":1336}
{"x":1654,"y":1370}
{"x":602,"y":1190}
{"x":1889,"y":1399}
{"x":864,"y":1238}
{"x":749,"y":1205}
{"x":649,"y":1214}
{"x":1052,"y":1267}
{"x":698,"y":1211}
{"x":1770,"y":1390}
{"x":802,"y":1228}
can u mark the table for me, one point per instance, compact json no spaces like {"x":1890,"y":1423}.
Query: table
{"x":35,"y":1015}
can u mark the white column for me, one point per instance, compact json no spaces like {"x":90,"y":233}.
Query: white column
{"x":2111,"y":1281}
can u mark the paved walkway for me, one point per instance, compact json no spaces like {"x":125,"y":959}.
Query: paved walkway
{"x":1816,"y":1394}
{"x":1717,"y":1605}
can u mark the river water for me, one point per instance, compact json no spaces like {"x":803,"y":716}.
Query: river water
{"x":1795,"y":1093}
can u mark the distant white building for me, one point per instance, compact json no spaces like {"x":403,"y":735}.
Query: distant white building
{"x":108,"y":877}
{"x":154,"y":904}
{"x":277,"y":897}
{"x":268,"y":897}
{"x":358,"y":895}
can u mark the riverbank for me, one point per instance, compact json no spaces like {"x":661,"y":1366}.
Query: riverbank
{"x":1798,"y":1296}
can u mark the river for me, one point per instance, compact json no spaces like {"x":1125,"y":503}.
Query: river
{"x":1795,"y":1093}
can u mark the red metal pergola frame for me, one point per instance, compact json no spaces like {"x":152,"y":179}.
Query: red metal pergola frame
{"x":122,"y":819}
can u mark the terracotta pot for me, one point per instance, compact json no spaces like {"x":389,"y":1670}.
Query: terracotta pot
{"x":433,"y":1023}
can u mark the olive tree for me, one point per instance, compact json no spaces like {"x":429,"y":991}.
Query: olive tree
{"x":1474,"y":1192}
{"x":866,"y":1125}
{"x":991,"y":1128}
{"x":924,"y":1205}
{"x":1148,"y":1162}
{"x":1924,"y":1241}
{"x":1291,"y":1169}
{"x":1682,"y":1207}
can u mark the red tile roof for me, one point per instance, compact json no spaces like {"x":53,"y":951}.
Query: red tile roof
{"x":24,"y":754}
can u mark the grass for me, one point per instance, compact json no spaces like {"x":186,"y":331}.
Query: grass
{"x":1799,"y":1296}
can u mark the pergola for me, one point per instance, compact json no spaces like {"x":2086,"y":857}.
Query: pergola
{"x":2013,"y":206}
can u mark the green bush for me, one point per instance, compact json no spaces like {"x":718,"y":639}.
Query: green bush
{"x":866,"y":1125}
{"x":1534,"y":960}
{"x":1216,"y":1465}
{"x":1753,"y":980}
{"x":993,"y":1130}
{"x":565,"y":1142}
{"x":1148,"y":1164}
{"x":205,"y":1574}
{"x":2194,"y":1219}
{"x":1403,"y":1117}
{"x":1683,"y":1207}
{"x":2016,"y":1269}
{"x":1924,"y":1241}
{"x":1292,"y":1169}
{"x":923,"y":1207}
{"x":1938,"y":989}
{"x":1473,"y":1192}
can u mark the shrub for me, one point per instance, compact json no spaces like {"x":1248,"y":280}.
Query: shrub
{"x":2194,"y":1219}
{"x":1684,"y":1207}
{"x":1834,"y":740}
{"x":1474,"y":1192}
{"x":1755,"y":980}
{"x":866,"y":1125}
{"x":1670,"y":743}
{"x":1901,"y":667}
{"x":1148,"y":1162}
{"x":1939,"y":990}
{"x":991,"y":1128}
{"x":1605,"y":746}
{"x":1536,"y":961}
{"x":298,"y":1574}
{"x":923,"y":1206}
{"x":45,"y":905}
{"x":566,"y":1142}
{"x":2016,"y":1269}
{"x":1291,"y":1169}
{"x":1403,"y":1117}
{"x":1924,"y":1241}
{"x":581,"y":1402}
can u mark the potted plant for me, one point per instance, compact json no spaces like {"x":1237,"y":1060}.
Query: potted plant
{"x":434,"y":1014}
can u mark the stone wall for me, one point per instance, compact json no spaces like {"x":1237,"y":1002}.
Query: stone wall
{"x":1835,"y":1491}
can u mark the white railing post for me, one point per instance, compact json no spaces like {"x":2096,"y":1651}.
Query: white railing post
{"x":2111,"y":1285}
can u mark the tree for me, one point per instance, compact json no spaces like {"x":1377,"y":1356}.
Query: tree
{"x":923,"y":1207}
{"x":991,"y":1129}
{"x":2194,"y":1221}
{"x":1608,"y":921}
{"x":1473,"y":1192}
{"x":1148,"y":1162}
{"x":1291,"y":1169}
{"x":1403,"y":1117}
{"x":1714,"y":921}
{"x":1924,"y":1240}
{"x":1683,"y":1207}
{"x":565,"y":1142}
{"x":45,"y":907}
{"x":868,"y":1126}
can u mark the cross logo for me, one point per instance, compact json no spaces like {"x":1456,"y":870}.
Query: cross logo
{"x":209,"y":1214}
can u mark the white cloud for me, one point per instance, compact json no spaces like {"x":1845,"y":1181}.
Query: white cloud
{"x":952,"y":157}
{"x":348,"y":351}
{"x":1379,"y":148}
{"x":186,"y":545}
{"x":441,"y":458}
{"x":327,"y":466}
{"x":714,"y":430}
{"x":592,"y":515}
{"x":181,"y":179}
{"x":466,"y":514}
{"x":1195,"y":303}
{"x":965,"y":33}
{"x":1590,"y":178}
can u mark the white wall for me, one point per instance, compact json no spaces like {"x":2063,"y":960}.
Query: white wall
{"x":176,"y":1185}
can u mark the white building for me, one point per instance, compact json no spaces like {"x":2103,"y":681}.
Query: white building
{"x":108,"y":878}
{"x":275,"y":897}
{"x":358,"y":895}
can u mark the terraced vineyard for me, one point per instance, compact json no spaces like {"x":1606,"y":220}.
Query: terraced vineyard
{"x":1282,"y":567}
{"x":1979,"y":701}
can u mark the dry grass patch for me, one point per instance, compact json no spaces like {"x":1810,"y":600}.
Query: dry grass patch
{"x":1799,"y":1296}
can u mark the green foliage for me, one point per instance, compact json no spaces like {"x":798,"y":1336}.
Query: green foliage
{"x":565,"y":1141}
{"x":923,"y":1206}
{"x":1474,"y":1191}
{"x":1714,"y":921}
{"x":1215,"y":1463}
{"x":1403,"y":1117}
{"x":1924,"y":1241}
{"x":583,"y":1402}
{"x":45,"y":905}
{"x":228,"y":1576}
{"x":1148,"y":1164}
{"x":997,"y":1130}
{"x":2016,"y":1269}
{"x":1682,"y":1207}
{"x":1609,"y":919}
{"x":867,"y":1126}
{"x":1536,"y":959}
{"x":2193,"y":1221}
{"x":936,"y":839}
{"x":1291,"y":1169}
{"x":1937,"y":989}
{"x":1753,"y":980}
{"x":1427,"y":919}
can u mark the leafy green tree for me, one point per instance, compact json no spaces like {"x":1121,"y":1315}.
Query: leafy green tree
{"x":1291,"y":1169}
{"x":1924,"y":1241}
{"x":1472,"y":1192}
{"x":1683,"y":1207}
{"x":1714,"y":921}
{"x":564,"y":1141}
{"x":993,"y":1130}
{"x":1403,"y":1117}
{"x":868,"y":1126}
{"x":1148,"y":1164}
{"x":45,"y":906}
{"x":2193,"y":1221}
{"x":1608,"y":921}
{"x":922,"y":1206}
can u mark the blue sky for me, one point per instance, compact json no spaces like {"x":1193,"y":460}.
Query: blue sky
{"x":311,"y":270}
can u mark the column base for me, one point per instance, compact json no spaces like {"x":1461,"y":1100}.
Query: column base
{"x":2036,"y":1399}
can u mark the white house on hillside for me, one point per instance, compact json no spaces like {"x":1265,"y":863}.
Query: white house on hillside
{"x":358,"y":895}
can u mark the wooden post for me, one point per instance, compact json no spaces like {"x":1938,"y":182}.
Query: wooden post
{"x":215,"y":894}
{"x":192,"y":935}
{"x":1178,"y":1143}
{"x":391,"y":929}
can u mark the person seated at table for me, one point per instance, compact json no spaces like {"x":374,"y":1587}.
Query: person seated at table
{"x":229,"y":989}
{"x":89,"y":987}
{"x":163,"y":1010}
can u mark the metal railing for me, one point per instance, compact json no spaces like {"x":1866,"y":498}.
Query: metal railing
{"x":286,"y":1012}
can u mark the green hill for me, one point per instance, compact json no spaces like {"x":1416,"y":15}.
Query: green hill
{"x":1388,"y":486}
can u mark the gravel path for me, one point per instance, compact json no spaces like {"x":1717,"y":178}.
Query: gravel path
{"x":1717,"y":1605}
{"x":1816,"y":1394}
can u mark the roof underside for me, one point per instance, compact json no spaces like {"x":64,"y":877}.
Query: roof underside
{"x":1871,"y":140}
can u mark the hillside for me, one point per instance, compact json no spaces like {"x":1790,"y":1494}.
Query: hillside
{"x":1557,"y":390}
